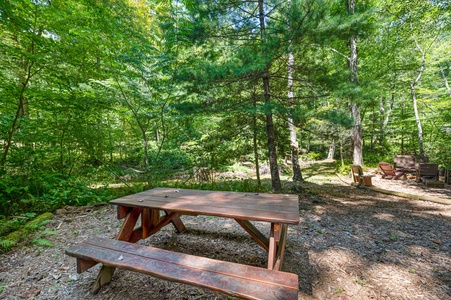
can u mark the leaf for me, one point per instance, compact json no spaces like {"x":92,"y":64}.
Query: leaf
{"x":43,"y":242}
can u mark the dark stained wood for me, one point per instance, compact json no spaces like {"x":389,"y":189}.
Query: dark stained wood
{"x":145,"y":222}
{"x":126,"y":233}
{"x":261,"y":239}
{"x":122,"y":211}
{"x":177,"y":222}
{"x":275,"y":208}
{"x":104,"y":277}
{"x":429,"y":171}
{"x":280,"y":248}
{"x":154,"y":217}
{"x":272,"y":248}
{"x":83,"y":265}
{"x":229,"y":278}
{"x":163,"y":222}
{"x":129,"y":224}
{"x":136,"y":235}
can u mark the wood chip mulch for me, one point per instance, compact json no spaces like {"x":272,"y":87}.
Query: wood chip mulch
{"x":351,"y":243}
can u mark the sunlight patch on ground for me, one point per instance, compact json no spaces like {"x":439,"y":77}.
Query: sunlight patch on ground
{"x":384,"y":216}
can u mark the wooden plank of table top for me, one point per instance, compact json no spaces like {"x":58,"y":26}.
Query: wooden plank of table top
{"x":217,"y":195}
{"x":253,"y":214}
{"x":280,"y":205}
{"x":264,"y":207}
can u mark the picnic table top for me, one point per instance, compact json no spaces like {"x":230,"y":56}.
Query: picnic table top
{"x":274,"y":208}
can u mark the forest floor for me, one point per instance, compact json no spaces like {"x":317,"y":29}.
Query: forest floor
{"x":351,"y":243}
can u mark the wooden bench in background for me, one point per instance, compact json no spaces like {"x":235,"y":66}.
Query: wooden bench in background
{"x":228,"y":278}
{"x":359,"y":177}
{"x":408,"y":163}
{"x":427,"y":172}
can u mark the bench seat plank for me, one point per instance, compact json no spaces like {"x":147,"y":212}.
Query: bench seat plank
{"x":229,"y":278}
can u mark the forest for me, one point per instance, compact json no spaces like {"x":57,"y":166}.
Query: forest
{"x":96,"y":92}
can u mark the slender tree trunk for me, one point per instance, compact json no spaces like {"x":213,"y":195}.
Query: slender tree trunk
{"x":414,"y":100}
{"x":356,"y":134}
{"x":275,"y":178}
{"x":142,"y":127}
{"x":446,"y":81}
{"x":297,"y":174}
{"x":254,"y":140}
{"x":418,"y":121}
{"x":386,"y":115}
{"x":331,"y":153}
{"x":19,"y":113}
{"x":340,"y":136}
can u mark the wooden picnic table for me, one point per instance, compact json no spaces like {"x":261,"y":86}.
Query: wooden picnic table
{"x":159,"y":207}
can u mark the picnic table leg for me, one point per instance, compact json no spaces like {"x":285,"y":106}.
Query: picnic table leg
{"x":125,"y":234}
{"x":275,"y":245}
{"x":281,"y":248}
{"x":277,"y":241}
{"x":261,"y":239}
{"x":177,"y":222}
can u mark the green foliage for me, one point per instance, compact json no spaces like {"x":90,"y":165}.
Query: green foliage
{"x":43,"y":242}
{"x":139,"y":91}
{"x":244,"y":185}
{"x":344,"y":169}
{"x":46,"y":191}
{"x":6,"y":245}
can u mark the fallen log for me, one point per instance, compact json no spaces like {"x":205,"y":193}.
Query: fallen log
{"x":409,"y":196}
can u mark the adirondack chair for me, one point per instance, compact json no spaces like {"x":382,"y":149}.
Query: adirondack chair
{"x":389,"y":172}
{"x":427,"y":172}
{"x":359,"y":177}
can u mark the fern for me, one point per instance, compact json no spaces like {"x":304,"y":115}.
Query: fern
{"x":48,"y":232}
{"x":43,"y":242}
{"x":6,"y":245}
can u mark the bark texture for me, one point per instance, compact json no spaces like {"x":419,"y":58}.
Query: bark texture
{"x":356,"y":134}
{"x":275,"y":177}
{"x":297,"y":174}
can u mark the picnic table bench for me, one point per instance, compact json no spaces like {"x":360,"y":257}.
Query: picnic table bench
{"x":229,"y":278}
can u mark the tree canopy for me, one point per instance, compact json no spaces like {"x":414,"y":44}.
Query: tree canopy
{"x":90,"y":88}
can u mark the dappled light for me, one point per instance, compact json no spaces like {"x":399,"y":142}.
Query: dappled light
{"x":216,"y":149}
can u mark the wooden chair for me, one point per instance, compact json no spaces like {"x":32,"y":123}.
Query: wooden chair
{"x":389,"y":172}
{"x":359,"y":177}
{"x":427,"y":172}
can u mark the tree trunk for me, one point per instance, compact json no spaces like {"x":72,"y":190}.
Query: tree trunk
{"x":145,"y":148}
{"x":414,"y":100}
{"x":446,"y":81}
{"x":331,"y":153}
{"x":297,"y":174}
{"x":356,"y":134}
{"x":275,"y":178}
{"x":386,"y":116}
{"x":257,"y":164}
{"x":142,"y":127}
{"x":340,"y":136}
{"x":418,"y":121}
{"x":19,"y":114}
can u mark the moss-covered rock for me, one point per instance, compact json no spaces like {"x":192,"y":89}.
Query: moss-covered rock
{"x":22,"y":236}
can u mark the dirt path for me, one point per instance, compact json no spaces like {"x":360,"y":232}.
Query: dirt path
{"x":350,"y":244}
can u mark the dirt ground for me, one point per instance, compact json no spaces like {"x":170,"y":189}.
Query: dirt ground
{"x":351,"y":243}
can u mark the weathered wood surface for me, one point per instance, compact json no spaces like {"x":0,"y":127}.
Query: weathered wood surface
{"x":410,"y":196}
{"x":225,"y":277}
{"x":429,"y":171}
{"x":275,"y":208}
